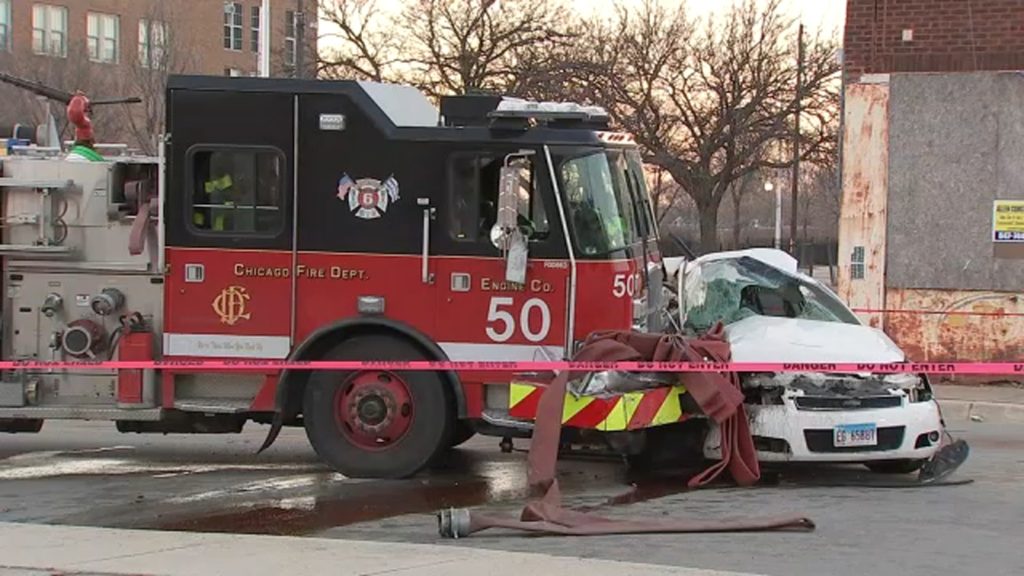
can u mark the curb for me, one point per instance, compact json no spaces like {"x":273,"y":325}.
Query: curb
{"x":975,"y":411}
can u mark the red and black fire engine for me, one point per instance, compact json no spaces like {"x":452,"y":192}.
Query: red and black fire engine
{"x":324,"y":220}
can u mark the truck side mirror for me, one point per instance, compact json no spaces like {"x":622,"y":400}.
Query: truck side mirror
{"x":514,"y":180}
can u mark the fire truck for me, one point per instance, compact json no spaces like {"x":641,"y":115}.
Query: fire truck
{"x":324,"y":220}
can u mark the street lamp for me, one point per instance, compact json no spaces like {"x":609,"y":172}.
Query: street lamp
{"x":768,"y":187}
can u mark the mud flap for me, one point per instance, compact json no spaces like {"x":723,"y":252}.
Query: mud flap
{"x":275,"y":429}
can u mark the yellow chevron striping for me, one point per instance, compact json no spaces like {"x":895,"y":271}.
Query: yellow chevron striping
{"x":518,"y":392}
{"x":619,"y":417}
{"x":616,"y":418}
{"x":631,"y":402}
{"x":572,"y":405}
{"x":670,"y":411}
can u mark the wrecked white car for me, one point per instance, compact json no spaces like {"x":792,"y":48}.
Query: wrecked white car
{"x":773,"y":313}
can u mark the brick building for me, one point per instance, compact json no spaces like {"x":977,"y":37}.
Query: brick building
{"x":126,"y":47}
{"x":932,"y":139}
{"x":933,"y":35}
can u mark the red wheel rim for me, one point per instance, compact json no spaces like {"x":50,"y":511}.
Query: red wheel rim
{"x":374,"y":409}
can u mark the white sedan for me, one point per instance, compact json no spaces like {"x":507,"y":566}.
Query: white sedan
{"x":773,"y":313}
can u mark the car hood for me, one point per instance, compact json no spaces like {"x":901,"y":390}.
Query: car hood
{"x":792,"y":340}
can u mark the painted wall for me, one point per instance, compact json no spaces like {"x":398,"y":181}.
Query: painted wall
{"x":948,"y":334}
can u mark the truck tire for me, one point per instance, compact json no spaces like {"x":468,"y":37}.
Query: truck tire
{"x":376,"y":423}
{"x":463,"y":432}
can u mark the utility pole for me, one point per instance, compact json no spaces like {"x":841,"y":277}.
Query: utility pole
{"x":300,"y":34}
{"x":796,"y":139}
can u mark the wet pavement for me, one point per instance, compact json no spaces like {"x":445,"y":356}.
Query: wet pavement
{"x":84,"y":473}
{"x":88,"y":474}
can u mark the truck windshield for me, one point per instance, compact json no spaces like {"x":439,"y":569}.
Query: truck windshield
{"x":642,"y":197}
{"x":597,"y":187}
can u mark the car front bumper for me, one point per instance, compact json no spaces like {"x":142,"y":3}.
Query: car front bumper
{"x":784,"y":433}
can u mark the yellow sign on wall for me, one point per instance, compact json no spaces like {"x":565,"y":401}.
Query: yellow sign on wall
{"x":1008,"y":221}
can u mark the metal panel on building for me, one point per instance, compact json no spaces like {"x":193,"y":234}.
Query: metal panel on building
{"x":956,"y":141}
{"x":862,"y":230}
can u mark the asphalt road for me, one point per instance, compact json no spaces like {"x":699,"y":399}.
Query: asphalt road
{"x":87,"y":474}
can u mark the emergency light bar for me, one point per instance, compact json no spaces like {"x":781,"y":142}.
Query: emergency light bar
{"x":519,"y":108}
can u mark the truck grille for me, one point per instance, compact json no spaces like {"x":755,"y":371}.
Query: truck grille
{"x":889,"y":438}
{"x":834,"y":403}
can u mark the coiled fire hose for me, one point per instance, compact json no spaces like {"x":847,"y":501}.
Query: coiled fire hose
{"x":717,"y":394}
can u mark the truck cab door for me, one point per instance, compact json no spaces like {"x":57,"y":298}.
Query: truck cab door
{"x":229,"y":224}
{"x":482,"y":315}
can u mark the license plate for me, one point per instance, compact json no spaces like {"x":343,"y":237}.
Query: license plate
{"x":850,"y":435}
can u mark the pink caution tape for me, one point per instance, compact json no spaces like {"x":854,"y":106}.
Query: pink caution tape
{"x":978,"y":368}
{"x":997,"y":314}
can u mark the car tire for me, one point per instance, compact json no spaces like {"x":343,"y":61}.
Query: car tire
{"x":671,"y":447}
{"x":416,"y":404}
{"x":895,"y":466}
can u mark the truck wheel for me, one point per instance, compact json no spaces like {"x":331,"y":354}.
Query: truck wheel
{"x":895,"y":466}
{"x":463,"y":432}
{"x":377,"y":423}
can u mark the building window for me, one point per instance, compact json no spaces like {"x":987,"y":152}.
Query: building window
{"x":5,"y":24}
{"x":289,"y":38}
{"x":857,"y":263}
{"x":237,"y":191}
{"x":102,"y":36}
{"x":152,"y":39}
{"x":233,"y":26}
{"x":254,"y":28}
{"x":473,"y":192}
{"x":50,"y":30}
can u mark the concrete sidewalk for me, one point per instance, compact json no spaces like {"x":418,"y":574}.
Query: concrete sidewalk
{"x":34,"y":550}
{"x":981,"y":403}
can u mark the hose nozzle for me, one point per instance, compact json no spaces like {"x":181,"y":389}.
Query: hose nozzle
{"x":453,"y":523}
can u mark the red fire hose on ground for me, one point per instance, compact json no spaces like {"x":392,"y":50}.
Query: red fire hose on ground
{"x":717,"y":394}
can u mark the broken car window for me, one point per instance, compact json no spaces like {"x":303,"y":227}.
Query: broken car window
{"x":730,"y":290}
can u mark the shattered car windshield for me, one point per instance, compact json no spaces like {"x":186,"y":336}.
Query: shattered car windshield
{"x":730,"y":290}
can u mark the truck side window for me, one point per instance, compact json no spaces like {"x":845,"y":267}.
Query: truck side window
{"x":237,"y":191}
{"x":473,"y":192}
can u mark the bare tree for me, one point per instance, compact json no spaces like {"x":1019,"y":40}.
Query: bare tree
{"x":68,"y":74}
{"x":362,"y":46}
{"x":707,"y":100}
{"x":738,"y":190}
{"x":664,"y":194}
{"x":461,"y":46}
{"x":167,"y":50}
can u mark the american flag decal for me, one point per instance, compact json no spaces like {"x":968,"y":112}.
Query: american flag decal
{"x":391,"y":187}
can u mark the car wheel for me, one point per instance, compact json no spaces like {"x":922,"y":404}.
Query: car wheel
{"x":377,"y":423}
{"x":895,"y":466}
{"x":673,"y":446}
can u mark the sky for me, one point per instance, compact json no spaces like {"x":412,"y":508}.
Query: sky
{"x":827,"y":14}
{"x":813,"y":13}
